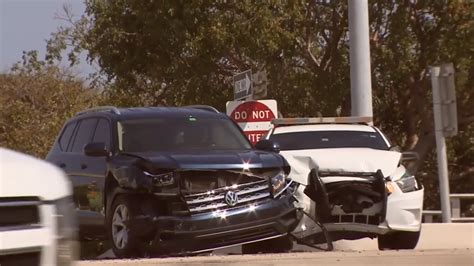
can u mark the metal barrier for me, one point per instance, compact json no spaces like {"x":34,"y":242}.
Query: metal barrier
{"x":455,"y":200}
{"x":429,"y":214}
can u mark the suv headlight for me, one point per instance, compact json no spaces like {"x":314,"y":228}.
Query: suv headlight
{"x":278,"y":183}
{"x":161,"y":180}
{"x":407,"y":183}
{"x":66,"y":229}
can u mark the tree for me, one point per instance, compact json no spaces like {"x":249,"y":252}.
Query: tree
{"x":36,"y":99}
{"x":178,"y":52}
{"x":181,"y":52}
{"x":407,"y":38}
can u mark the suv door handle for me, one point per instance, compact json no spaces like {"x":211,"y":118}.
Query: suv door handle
{"x":83,"y":166}
{"x":62,"y":165}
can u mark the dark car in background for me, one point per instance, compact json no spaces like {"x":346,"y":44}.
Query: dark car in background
{"x":165,"y":180}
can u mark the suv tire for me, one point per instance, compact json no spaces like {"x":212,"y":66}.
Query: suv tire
{"x":275,"y":245}
{"x":124,"y":244}
{"x":398,"y":240}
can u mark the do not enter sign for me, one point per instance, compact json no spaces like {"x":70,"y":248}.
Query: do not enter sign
{"x":253,"y":111}
{"x":253,"y":117}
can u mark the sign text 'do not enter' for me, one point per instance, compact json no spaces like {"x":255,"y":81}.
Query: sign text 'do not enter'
{"x":252,"y":112}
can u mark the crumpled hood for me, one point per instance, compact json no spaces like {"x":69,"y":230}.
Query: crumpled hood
{"x":212,"y":159}
{"x":341,"y":159}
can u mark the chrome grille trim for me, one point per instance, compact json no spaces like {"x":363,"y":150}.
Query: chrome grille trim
{"x":19,"y":203}
{"x":223,"y":189}
{"x":249,"y":192}
{"x":220,"y":196}
{"x":219,"y":205}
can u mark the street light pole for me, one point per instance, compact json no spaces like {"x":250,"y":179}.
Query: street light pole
{"x":440,"y":146}
{"x":361,"y":82}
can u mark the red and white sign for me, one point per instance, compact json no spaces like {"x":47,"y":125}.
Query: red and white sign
{"x":253,"y":117}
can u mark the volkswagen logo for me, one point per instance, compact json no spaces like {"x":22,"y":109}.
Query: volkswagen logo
{"x":231,"y":198}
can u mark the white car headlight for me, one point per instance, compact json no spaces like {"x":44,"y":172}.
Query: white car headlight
{"x":278,"y":183}
{"x":407,"y":183}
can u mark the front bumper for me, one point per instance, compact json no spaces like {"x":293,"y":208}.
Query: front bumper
{"x":404,"y":210}
{"x":403,"y":213}
{"x":268,"y":219}
{"x":37,"y":244}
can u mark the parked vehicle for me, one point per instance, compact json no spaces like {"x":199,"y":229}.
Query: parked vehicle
{"x":172,"y":180}
{"x":37,"y":219}
{"x":356,"y":180}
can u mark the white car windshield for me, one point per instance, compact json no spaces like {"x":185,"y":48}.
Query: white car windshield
{"x":329,"y":140}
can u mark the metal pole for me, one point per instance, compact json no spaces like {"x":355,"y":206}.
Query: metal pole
{"x":440,"y":147}
{"x":361,"y":83}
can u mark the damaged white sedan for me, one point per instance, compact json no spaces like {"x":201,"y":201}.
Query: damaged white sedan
{"x":351,"y":180}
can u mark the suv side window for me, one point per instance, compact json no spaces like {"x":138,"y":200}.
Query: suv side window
{"x":84,"y":134}
{"x":66,"y":136}
{"x":102,"y":133}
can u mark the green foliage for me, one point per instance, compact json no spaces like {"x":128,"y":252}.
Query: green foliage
{"x":406,"y":38}
{"x":36,"y":98}
{"x":183,"y":52}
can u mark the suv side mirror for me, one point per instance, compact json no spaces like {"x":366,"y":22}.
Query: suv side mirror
{"x":268,"y":145}
{"x":96,"y":149}
{"x":410,"y":156}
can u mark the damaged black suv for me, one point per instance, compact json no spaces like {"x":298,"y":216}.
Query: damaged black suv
{"x":173,"y":180}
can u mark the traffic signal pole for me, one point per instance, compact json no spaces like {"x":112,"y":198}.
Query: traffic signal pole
{"x":361,"y":82}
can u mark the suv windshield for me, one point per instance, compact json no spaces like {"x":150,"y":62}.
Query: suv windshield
{"x":189,"y":133}
{"x":329,"y":139}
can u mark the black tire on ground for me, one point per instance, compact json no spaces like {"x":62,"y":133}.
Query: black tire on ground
{"x":124,"y":244}
{"x":275,"y":245}
{"x":398,"y":240}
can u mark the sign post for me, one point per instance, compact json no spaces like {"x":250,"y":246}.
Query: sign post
{"x":259,"y":85}
{"x":445,"y":118}
{"x":254,"y":117}
{"x":243,"y":85}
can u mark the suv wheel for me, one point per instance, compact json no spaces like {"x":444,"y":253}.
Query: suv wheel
{"x":398,"y":240}
{"x":275,"y":245}
{"x":124,"y":244}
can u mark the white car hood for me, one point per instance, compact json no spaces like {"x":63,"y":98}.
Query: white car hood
{"x":22,"y":175}
{"x":340,"y":159}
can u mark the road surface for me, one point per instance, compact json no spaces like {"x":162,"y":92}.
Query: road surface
{"x":418,"y":257}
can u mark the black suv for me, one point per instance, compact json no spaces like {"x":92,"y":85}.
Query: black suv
{"x":172,"y":180}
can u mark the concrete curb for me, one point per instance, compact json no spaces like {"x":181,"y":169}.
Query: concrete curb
{"x":433,"y":236}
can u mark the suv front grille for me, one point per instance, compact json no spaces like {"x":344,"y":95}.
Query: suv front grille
{"x":202,"y":181}
{"x":19,"y":212}
{"x":215,"y":199}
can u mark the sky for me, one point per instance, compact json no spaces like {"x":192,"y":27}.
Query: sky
{"x":26,"y":24}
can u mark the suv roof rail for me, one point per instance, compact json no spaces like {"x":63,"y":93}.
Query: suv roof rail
{"x":323,"y":120}
{"x":203,"y":107}
{"x":111,"y":109}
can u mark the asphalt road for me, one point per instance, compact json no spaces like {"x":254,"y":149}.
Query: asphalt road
{"x":412,"y":257}
{"x":440,"y":244}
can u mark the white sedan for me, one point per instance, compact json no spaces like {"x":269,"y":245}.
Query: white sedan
{"x":37,"y":215}
{"x":351,"y":179}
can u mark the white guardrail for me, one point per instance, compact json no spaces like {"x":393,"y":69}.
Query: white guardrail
{"x":455,"y":200}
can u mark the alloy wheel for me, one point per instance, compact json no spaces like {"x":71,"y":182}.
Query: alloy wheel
{"x":120,"y":230}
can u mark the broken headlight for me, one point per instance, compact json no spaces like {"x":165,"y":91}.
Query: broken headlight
{"x":161,"y":180}
{"x":407,"y":183}
{"x":278,"y":183}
